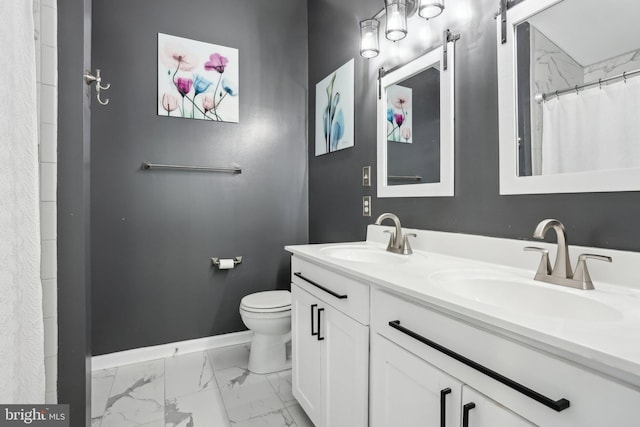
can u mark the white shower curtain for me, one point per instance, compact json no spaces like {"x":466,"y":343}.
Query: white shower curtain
{"x":21,"y":326}
{"x":595,"y":129}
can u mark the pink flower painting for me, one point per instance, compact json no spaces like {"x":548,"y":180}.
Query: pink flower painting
{"x":399,"y":121}
{"x":197,"y":80}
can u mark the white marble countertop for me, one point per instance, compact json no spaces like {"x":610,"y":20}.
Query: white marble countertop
{"x":610,"y":345}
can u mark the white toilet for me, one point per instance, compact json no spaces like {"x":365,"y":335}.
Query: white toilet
{"x":268,"y":315}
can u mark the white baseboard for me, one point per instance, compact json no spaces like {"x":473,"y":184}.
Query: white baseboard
{"x":145,"y":354}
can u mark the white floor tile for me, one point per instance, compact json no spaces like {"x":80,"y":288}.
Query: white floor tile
{"x":235,"y":356}
{"x":187,"y":391}
{"x":299,"y":416}
{"x":101,"y":383}
{"x":188,"y":374}
{"x":137,"y":395}
{"x":281,"y":382}
{"x":279,"y":418}
{"x":246,"y":395}
{"x":201,"y":409}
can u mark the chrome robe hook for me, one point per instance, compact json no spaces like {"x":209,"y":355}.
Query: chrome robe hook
{"x":90,"y":78}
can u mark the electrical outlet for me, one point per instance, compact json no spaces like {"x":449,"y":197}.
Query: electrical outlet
{"x":366,"y":205}
{"x":366,"y":176}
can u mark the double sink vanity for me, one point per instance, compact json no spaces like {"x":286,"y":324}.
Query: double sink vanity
{"x":458,"y":332}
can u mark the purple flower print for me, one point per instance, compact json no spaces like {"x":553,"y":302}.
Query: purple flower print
{"x":184,"y":85}
{"x":399,"y":118}
{"x":216,"y":62}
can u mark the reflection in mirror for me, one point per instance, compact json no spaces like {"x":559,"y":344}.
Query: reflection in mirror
{"x":415,"y":127}
{"x":413,"y":146}
{"x":578,"y":97}
{"x":569,"y":96}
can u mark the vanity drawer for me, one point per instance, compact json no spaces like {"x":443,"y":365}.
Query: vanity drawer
{"x":594,"y":399}
{"x":347,"y":295}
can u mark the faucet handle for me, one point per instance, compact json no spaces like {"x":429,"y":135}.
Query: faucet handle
{"x":545,"y":266}
{"x":406,"y":246}
{"x":582,"y":273}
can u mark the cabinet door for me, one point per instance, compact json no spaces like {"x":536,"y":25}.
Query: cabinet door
{"x":480,"y":411}
{"x":346,"y":364}
{"x":306,"y":353}
{"x":407,"y":391}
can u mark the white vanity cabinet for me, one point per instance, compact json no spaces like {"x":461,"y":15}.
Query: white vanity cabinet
{"x":480,"y":411}
{"x":506,"y":382}
{"x":330,"y":345}
{"x":407,"y":390}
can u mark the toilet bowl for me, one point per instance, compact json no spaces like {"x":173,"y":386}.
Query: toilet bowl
{"x":268,"y":315}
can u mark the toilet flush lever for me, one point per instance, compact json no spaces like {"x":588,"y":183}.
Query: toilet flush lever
{"x":97,"y":79}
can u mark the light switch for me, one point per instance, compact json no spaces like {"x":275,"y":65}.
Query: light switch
{"x":366,"y":205}
{"x":366,"y":176}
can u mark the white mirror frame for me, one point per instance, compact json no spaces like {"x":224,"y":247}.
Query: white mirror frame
{"x":510,"y":182}
{"x":446,"y":185}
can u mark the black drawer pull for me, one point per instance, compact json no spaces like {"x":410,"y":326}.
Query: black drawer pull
{"x":313,"y":333}
{"x":320,"y":337}
{"x":465,"y":413}
{"x":443,"y":406}
{"x":329,"y":291}
{"x":557,"y":405}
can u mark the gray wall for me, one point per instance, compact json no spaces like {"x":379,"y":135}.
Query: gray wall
{"x":597,"y":219}
{"x":74,"y":283}
{"x":154,"y":232}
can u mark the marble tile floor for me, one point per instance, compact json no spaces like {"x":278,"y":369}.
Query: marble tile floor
{"x":213,"y":388}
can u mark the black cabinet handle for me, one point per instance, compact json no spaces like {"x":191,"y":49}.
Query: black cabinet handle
{"x":557,"y":405}
{"x":313,"y":334}
{"x":320,"y":337}
{"x":465,"y":413}
{"x":329,"y":291}
{"x":443,"y":406}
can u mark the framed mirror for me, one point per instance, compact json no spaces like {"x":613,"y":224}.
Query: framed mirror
{"x":415,"y":127}
{"x":569,"y":97}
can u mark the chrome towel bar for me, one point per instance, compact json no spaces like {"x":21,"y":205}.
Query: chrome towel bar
{"x":233,"y":170}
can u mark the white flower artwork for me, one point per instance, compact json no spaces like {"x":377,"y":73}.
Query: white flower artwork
{"x":334,"y":110}
{"x":197,"y":80}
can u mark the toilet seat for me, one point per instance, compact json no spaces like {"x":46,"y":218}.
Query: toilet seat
{"x":267,"y":302}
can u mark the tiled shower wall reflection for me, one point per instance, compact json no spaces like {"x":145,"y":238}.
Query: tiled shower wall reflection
{"x":45,"y":19}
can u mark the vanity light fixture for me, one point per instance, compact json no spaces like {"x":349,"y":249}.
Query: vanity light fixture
{"x":397,"y":12}
{"x":430,"y":8}
{"x":369,"y":38}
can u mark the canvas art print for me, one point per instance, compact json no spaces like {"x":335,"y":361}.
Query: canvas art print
{"x":399,"y":114}
{"x":197,"y":80}
{"x":334,"y":110}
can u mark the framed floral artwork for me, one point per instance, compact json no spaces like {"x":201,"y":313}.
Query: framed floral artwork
{"x":399,"y":120}
{"x":334,"y":110}
{"x":197,"y":80}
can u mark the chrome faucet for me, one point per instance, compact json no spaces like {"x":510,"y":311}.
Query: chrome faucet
{"x":562,"y":274}
{"x":398,"y":244}
{"x":562,"y":266}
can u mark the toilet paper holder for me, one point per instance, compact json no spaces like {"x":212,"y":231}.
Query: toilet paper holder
{"x":236,"y":260}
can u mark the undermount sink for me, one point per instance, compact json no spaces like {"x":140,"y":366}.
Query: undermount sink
{"x":364,"y":254}
{"x":525,"y":296}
